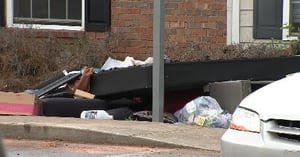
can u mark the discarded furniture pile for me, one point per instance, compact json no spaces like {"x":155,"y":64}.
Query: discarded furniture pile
{"x":124,"y":89}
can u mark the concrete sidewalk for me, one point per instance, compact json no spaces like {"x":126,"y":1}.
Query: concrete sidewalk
{"x":111,"y":132}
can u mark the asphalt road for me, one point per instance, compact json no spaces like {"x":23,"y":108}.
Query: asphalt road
{"x":36,"y":148}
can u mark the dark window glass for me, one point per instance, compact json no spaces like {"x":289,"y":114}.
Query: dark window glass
{"x":74,"y":11}
{"x":22,"y":8}
{"x":58,"y":12}
{"x":295,"y":12}
{"x":40,"y":8}
{"x":58,"y":9}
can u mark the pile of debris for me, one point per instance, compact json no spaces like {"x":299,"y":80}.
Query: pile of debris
{"x":75,"y":93}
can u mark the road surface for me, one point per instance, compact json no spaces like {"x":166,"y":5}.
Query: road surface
{"x":36,"y":148}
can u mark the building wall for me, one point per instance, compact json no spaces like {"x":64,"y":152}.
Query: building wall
{"x":187,"y":23}
{"x":246,"y":23}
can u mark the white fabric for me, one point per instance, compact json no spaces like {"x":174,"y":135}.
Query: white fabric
{"x":111,"y":63}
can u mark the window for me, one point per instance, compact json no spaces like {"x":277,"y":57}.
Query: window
{"x":295,"y":15}
{"x":59,"y":12}
{"x":291,"y":19}
{"x":86,"y":15}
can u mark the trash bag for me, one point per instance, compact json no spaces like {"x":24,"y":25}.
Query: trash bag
{"x":203,"y":111}
{"x":147,"y":116}
{"x":121,"y":113}
{"x":220,"y":120}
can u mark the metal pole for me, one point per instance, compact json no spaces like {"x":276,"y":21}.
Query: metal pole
{"x":158,"y":61}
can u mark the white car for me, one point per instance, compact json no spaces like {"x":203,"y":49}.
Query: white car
{"x":267,"y":122}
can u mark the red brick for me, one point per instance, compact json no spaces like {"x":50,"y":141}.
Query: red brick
{"x":147,"y":11}
{"x":147,"y":37}
{"x":145,"y":43}
{"x":215,"y":6}
{"x":171,"y":18}
{"x":132,"y":36}
{"x":123,"y":43}
{"x":65,"y":34}
{"x":119,"y":50}
{"x":76,"y":34}
{"x":186,"y":21}
{"x":200,"y":18}
{"x":133,"y":11}
{"x":135,"y":43}
{"x":210,"y":25}
{"x":171,"y":5}
{"x":211,"y":32}
{"x":195,"y":25}
{"x":42,"y":33}
{"x":101,"y":35}
{"x":173,"y":11}
{"x":198,"y":32}
{"x":115,"y":23}
{"x":135,"y":50}
{"x":212,"y":19}
{"x":221,"y":40}
{"x":126,"y":17}
{"x":91,"y":35}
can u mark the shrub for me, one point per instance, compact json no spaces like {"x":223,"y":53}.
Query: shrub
{"x":200,"y":52}
{"x":27,"y":59}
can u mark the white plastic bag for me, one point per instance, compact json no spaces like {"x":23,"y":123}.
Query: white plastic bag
{"x":96,"y":114}
{"x":203,"y":111}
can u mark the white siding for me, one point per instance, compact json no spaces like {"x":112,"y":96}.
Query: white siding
{"x":246,"y":23}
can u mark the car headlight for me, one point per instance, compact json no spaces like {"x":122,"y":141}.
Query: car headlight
{"x":245,"y":120}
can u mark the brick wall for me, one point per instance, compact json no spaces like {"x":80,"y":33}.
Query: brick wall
{"x":190,"y":24}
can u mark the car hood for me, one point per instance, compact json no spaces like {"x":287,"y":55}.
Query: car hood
{"x":278,"y":100}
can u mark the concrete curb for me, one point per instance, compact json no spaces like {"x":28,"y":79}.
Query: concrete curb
{"x":110,"y":132}
{"x":27,"y":131}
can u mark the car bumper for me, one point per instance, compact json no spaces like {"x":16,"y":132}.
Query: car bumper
{"x":246,"y":144}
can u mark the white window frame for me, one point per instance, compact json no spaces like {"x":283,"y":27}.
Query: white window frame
{"x":9,"y":20}
{"x":286,"y":21}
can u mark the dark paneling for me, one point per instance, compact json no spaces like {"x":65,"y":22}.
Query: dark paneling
{"x":97,"y":15}
{"x":268,"y":19}
{"x":1,"y":12}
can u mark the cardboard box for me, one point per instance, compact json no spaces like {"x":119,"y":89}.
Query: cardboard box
{"x":18,"y":104}
{"x":84,"y":94}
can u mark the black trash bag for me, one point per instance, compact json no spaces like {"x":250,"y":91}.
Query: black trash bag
{"x":122,"y":113}
{"x":70,"y":107}
{"x":147,"y":116}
